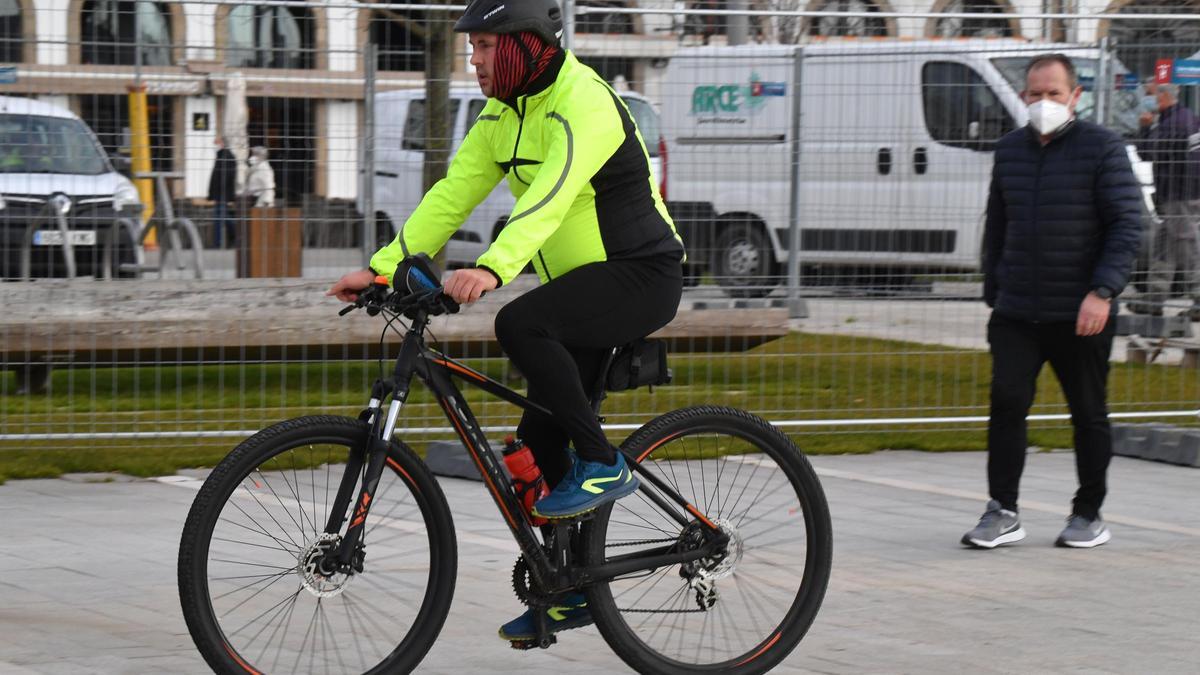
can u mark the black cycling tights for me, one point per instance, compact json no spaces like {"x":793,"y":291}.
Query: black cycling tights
{"x":558,"y":335}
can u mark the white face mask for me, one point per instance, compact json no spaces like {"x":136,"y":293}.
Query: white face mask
{"x":1048,"y":116}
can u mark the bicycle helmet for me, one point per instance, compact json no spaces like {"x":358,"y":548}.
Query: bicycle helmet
{"x":540,"y":17}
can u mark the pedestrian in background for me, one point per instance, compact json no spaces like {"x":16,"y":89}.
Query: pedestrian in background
{"x":1062,"y":230}
{"x":222,"y":189}
{"x":1172,"y":145}
{"x":260,"y":181}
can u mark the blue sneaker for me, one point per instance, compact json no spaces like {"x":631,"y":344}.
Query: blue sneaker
{"x":586,"y":486}
{"x":573,"y":613}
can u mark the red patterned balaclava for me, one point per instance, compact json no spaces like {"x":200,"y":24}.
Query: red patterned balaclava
{"x":520,"y":58}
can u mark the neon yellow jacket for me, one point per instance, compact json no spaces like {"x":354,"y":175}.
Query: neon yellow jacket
{"x":578,"y":168}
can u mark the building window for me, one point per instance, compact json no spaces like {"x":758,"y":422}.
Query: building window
{"x":1139,"y":44}
{"x":847,"y":26}
{"x":269,"y":37}
{"x":113,"y":32}
{"x":11,"y":39}
{"x":977,"y":27}
{"x":603,"y":22}
{"x":399,"y":37}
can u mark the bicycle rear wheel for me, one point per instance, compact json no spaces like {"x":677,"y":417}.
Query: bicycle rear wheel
{"x":742,"y":612}
{"x":251,"y":595}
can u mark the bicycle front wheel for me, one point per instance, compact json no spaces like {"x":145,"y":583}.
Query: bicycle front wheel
{"x":744,"y":609}
{"x":253,"y":596}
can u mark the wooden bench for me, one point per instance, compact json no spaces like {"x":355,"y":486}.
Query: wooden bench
{"x":80,"y":323}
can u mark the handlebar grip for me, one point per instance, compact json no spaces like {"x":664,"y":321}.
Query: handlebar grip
{"x":347,"y":309}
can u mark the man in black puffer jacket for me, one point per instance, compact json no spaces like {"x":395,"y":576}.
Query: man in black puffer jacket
{"x":1062,"y":230}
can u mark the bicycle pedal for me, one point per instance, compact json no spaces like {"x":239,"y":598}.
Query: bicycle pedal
{"x":523,"y":645}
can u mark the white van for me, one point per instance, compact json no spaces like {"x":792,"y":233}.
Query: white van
{"x":400,"y":154}
{"x":50,"y":159}
{"x":895,"y":152}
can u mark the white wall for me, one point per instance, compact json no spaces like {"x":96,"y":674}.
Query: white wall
{"x":199,"y":150}
{"x":343,"y":42}
{"x":201,"y":27}
{"x":341,"y":149}
{"x":51,"y":31}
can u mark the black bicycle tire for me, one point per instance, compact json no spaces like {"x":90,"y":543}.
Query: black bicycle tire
{"x":228,"y":474}
{"x":772,"y":649}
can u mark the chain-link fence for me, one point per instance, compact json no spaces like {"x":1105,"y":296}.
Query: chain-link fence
{"x":181,"y":181}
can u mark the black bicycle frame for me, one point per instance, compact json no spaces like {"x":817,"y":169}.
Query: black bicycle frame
{"x":436,"y":370}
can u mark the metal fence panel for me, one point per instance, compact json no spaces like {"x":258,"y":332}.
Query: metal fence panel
{"x":829,"y":176}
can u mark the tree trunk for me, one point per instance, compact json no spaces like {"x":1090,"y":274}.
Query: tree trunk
{"x":439,"y":62}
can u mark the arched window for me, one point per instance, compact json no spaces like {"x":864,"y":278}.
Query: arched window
{"x":10,"y":31}
{"x":400,"y":38}
{"x":269,"y":37}
{"x":602,"y":22}
{"x":975,"y":26}
{"x":847,"y":26}
{"x":114,"y":29}
{"x":1140,"y":43}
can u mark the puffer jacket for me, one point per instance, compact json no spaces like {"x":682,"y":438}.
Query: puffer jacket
{"x":1062,"y":219}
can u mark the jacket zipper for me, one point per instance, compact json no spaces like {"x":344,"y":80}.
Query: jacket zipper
{"x":545,"y":267}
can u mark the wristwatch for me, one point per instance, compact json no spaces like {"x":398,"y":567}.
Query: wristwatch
{"x":1103,"y":292}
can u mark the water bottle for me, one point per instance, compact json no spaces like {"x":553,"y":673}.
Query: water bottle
{"x":526,"y":476}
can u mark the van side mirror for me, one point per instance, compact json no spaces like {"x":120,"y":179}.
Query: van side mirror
{"x":973,"y":131}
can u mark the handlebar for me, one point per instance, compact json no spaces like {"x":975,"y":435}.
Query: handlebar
{"x":378,"y":297}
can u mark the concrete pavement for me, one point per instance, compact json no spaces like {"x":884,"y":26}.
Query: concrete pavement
{"x":87,"y":577}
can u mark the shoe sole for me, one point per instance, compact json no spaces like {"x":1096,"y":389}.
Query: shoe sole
{"x":565,"y":625}
{"x":1009,"y":538}
{"x":1101,"y":538}
{"x":609,"y":496}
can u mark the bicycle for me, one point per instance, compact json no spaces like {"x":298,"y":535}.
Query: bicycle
{"x":280,"y":531}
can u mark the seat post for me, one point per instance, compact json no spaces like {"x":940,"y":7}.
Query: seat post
{"x":598,"y":389}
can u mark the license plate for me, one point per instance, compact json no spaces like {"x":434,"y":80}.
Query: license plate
{"x":55,"y":237}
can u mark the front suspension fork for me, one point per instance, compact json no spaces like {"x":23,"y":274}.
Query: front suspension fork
{"x":373,"y":454}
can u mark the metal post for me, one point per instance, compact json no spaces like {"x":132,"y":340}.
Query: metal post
{"x":738,"y":26}
{"x":368,"y":153}
{"x":568,"y":36}
{"x":797,"y":308}
{"x":1104,"y":83}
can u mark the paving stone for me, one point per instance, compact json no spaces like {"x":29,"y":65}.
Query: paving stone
{"x":904,"y":597}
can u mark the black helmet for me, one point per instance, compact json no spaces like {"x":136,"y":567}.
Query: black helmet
{"x":540,"y":17}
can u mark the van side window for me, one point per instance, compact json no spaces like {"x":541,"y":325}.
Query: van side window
{"x":414,"y":125}
{"x":474,"y":108}
{"x":960,"y":109}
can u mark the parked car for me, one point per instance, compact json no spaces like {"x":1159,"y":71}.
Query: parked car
{"x":400,"y":154}
{"x":50,"y":163}
{"x":895,"y":151}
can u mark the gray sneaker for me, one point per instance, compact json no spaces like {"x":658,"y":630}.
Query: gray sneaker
{"x":1083,"y":533}
{"x":997,"y":526}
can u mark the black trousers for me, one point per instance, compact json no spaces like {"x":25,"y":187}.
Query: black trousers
{"x":558,"y":336}
{"x":1019,"y":349}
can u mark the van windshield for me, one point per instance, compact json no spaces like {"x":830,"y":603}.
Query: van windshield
{"x":37,"y":144}
{"x":1124,"y":100}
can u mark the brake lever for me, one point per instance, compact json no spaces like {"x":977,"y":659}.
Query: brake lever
{"x":347,"y":309}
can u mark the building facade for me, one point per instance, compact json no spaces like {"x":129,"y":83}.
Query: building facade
{"x":304,"y":65}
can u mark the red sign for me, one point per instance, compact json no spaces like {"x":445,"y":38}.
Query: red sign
{"x":1162,"y":71}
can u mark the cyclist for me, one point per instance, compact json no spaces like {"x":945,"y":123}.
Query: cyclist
{"x":588,"y":216}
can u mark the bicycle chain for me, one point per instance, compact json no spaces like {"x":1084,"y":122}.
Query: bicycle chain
{"x":642,"y":542}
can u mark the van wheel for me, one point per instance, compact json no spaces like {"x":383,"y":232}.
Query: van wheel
{"x":743,"y":262}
